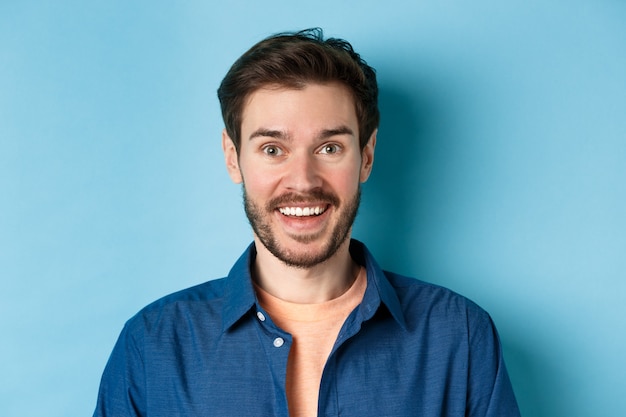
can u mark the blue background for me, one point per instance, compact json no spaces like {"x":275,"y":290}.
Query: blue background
{"x":499,"y":173}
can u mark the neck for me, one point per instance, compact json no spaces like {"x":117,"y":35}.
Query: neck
{"x":322,"y":282}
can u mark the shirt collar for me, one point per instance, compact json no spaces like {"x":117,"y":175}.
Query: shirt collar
{"x":379,"y":289}
{"x":239,"y":296}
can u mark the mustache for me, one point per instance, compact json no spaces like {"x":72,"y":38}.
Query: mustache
{"x":315,"y":196}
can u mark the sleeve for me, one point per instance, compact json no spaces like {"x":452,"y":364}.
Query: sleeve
{"x":122,"y":387}
{"x":490,"y":393}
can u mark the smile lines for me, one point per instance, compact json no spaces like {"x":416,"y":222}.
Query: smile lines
{"x":301,"y":212}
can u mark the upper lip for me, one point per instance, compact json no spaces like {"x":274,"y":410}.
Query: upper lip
{"x":316,"y":198}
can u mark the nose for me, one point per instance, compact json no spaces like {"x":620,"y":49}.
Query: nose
{"x":303,"y":173}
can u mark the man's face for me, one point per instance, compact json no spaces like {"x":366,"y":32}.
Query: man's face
{"x":301,"y":168}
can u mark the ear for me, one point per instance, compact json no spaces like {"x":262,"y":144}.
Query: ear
{"x":367,"y":157}
{"x":231,"y":158}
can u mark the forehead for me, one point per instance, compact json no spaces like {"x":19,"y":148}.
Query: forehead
{"x":330,"y":103}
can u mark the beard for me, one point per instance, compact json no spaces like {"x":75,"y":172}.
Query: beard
{"x":260,"y":220}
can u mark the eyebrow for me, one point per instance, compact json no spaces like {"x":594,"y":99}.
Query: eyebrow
{"x":279,"y":134}
{"x":268,"y":133}
{"x":341,"y":130}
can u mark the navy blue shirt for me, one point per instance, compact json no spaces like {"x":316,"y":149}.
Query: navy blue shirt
{"x":409,"y":349}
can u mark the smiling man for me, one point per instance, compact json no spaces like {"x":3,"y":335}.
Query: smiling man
{"x":306,"y":323}
{"x":301,"y":165}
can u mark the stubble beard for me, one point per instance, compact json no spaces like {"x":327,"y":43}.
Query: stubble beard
{"x":260,"y":220}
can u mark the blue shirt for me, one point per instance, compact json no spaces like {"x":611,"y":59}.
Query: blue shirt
{"x":409,"y":349}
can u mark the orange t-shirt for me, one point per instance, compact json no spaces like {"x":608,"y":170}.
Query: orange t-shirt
{"x":314,"y":328}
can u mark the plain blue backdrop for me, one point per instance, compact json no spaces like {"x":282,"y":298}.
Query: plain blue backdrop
{"x":499,"y":173}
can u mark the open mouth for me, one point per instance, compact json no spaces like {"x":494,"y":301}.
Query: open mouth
{"x":302,"y":211}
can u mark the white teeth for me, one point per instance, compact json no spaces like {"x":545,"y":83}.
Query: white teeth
{"x":301,"y":212}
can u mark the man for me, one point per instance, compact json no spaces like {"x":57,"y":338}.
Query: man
{"x":306,"y":323}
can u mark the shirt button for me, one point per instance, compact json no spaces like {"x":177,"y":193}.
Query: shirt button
{"x":260,"y":315}
{"x":278,"y":342}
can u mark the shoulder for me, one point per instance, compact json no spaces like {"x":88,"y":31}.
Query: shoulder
{"x":206,"y":292}
{"x":206,"y":300}
{"x":424,"y":301}
{"x":409,"y":289}
{"x":421,"y":304}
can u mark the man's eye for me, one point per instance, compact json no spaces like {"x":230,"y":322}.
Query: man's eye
{"x":330,"y":149}
{"x":272,"y":150}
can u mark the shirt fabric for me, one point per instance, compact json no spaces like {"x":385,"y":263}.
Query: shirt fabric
{"x":409,"y":349}
{"x":313,"y":328}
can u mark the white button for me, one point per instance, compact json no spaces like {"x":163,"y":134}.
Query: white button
{"x":260,"y":316}
{"x":278,"y":342}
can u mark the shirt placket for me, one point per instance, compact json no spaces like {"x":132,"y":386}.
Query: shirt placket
{"x":276,"y":345}
{"x":328,"y":396}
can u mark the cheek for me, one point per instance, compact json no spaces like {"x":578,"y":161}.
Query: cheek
{"x":258,"y":184}
{"x":346,"y":181}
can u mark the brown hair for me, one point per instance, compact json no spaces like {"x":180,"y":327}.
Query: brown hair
{"x":293,"y":60}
